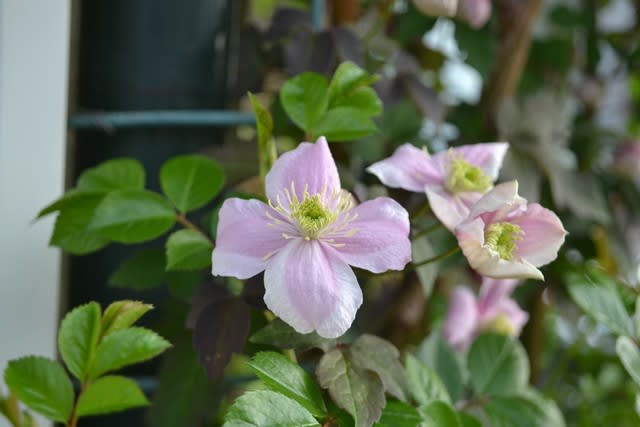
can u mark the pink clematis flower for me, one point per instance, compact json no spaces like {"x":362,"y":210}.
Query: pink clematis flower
{"x":476,"y":12}
{"x":453,"y":180}
{"x":503,"y":237}
{"x":492,"y":311}
{"x":307,"y":237}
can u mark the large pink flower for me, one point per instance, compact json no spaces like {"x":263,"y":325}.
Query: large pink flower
{"x":453,"y":180}
{"x":503,"y":237}
{"x":306,"y":238}
{"x":493,"y":310}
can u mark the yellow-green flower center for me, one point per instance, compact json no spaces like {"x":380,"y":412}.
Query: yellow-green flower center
{"x":311,"y":214}
{"x":502,"y":238}
{"x":501,"y":324}
{"x":464,"y":177}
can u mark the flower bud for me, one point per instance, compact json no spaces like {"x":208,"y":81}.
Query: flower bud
{"x":437,"y":7}
{"x":475,"y":12}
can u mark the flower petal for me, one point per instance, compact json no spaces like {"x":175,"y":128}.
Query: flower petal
{"x":409,"y":168}
{"x":310,"y":165}
{"x":543,"y":235}
{"x":244,"y":239}
{"x":486,"y":262}
{"x":487,"y":156}
{"x":381,"y":242}
{"x":311,"y":290}
{"x":492,"y":293}
{"x":502,"y":198}
{"x":450,"y":209}
{"x":517,"y":316}
{"x":462,"y":318}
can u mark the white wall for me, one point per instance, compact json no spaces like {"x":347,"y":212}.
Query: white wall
{"x":34,"y":40}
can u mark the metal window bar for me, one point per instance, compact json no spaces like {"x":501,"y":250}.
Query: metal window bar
{"x":192,"y":118}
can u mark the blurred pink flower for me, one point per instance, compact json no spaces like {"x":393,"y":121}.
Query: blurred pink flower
{"x":627,"y":158}
{"x":492,"y":311}
{"x":503,"y":237}
{"x":306,"y":238}
{"x":453,"y":180}
{"x":475,"y":12}
{"x":437,"y":7}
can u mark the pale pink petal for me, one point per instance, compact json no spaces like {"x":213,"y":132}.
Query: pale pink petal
{"x":470,"y":235}
{"x":499,"y":201}
{"x":517,"y":317}
{"x":476,"y":12}
{"x":543,"y":235}
{"x":309,"y":165}
{"x":311,"y":290}
{"x":244,"y":239}
{"x":450,"y":209}
{"x":462,"y":318}
{"x":381,"y":241}
{"x":492,"y":293}
{"x":409,"y":168}
{"x":488,"y":156}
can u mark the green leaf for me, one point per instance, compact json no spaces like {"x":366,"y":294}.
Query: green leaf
{"x":285,"y":377}
{"x":596,"y":294}
{"x":359,"y":392}
{"x":122,"y":314}
{"x":109,"y":394}
{"x":78,"y":337}
{"x":70,"y":199}
{"x":112,"y":175}
{"x":42,"y":385}
{"x":347,"y":79}
{"x":382,"y":357}
{"x":267,"y":152}
{"x":71,"y":230}
{"x":527,"y":409}
{"x":191,"y":181}
{"x":144,"y":270}
{"x":304,"y":99}
{"x":630,"y":357}
{"x":467,"y":420}
{"x":267,"y":409}
{"x":126,"y":347}
{"x":436,"y":352}
{"x":281,"y":335}
{"x":399,"y":414}
{"x":344,"y":124}
{"x":422,"y":249}
{"x":182,"y":284}
{"x":188,"y":250}
{"x":424,"y":385}
{"x":498,"y":365}
{"x":440,"y":414}
{"x":363,"y":99}
{"x":132,"y":216}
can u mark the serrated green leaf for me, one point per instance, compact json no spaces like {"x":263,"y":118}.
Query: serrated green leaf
{"x":42,"y":385}
{"x":289,"y":379}
{"x":71,"y":230}
{"x":497,"y":365}
{"x":440,"y":414}
{"x":126,"y":347}
{"x":436,"y":352}
{"x":359,"y":392}
{"x":132,"y":216}
{"x":144,"y":270}
{"x":122,"y":314}
{"x":344,"y":124}
{"x":78,"y":337}
{"x":281,"y":335}
{"x":109,"y":394}
{"x":267,"y":409}
{"x":399,"y":414}
{"x":424,"y":384}
{"x":382,"y":357}
{"x":112,"y":175}
{"x":188,"y":250}
{"x":347,"y":80}
{"x":596,"y":294}
{"x":630,"y":357}
{"x":191,"y":181}
{"x":304,"y":99}
{"x":525,"y":409}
